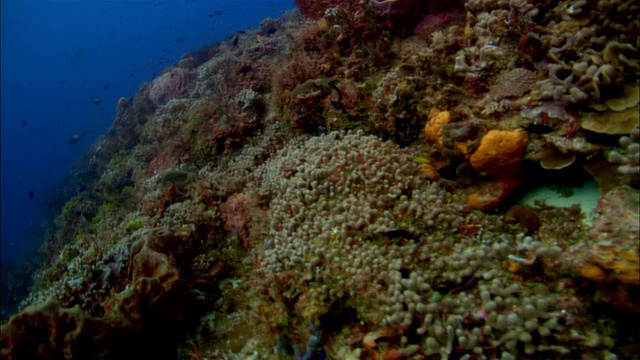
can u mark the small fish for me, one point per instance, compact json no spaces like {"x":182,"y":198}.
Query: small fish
{"x":31,"y":194}
{"x":216,"y":13}
{"x":75,"y":137}
{"x":24,"y":124}
{"x":82,"y":188}
{"x":96,"y":101}
{"x":180,"y":39}
{"x":105,"y":87}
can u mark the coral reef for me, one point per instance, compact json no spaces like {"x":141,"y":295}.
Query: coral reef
{"x":148,"y":307}
{"x":315,"y":9}
{"x":344,"y":185}
{"x":611,"y":257}
{"x":401,"y":16}
{"x":173,"y":84}
{"x":236,"y":216}
{"x":628,"y":158}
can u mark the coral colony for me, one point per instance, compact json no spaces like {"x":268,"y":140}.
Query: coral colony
{"x":342,"y":183}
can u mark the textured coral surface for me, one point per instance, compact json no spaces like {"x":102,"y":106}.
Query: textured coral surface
{"x":338,"y":186}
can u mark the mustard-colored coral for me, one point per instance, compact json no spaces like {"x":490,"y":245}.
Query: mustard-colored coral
{"x":621,"y":264}
{"x":593,"y":272}
{"x":611,"y":122}
{"x":435,"y":127}
{"x":499,"y":150}
{"x":429,"y":171}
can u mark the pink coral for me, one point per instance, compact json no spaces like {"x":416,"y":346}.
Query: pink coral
{"x":175,"y":83}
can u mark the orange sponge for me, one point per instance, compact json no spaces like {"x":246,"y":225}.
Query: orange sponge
{"x":499,"y":151}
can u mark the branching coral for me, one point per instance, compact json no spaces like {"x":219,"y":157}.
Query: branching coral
{"x":453,"y":303}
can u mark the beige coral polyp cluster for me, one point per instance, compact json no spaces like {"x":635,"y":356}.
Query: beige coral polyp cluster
{"x":353,"y":225}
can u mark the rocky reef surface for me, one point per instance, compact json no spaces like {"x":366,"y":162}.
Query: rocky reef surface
{"x":342,"y":183}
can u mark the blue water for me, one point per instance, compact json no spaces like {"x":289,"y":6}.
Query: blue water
{"x":58,"y":56}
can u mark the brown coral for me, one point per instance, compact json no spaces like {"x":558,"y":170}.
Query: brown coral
{"x":51,"y":332}
{"x":147,"y":309}
{"x":513,"y":83}
{"x":491,"y":193}
{"x":237,"y":217}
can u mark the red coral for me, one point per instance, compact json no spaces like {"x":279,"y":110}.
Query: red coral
{"x":175,"y":83}
{"x":314,"y":9}
{"x":404,"y":15}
